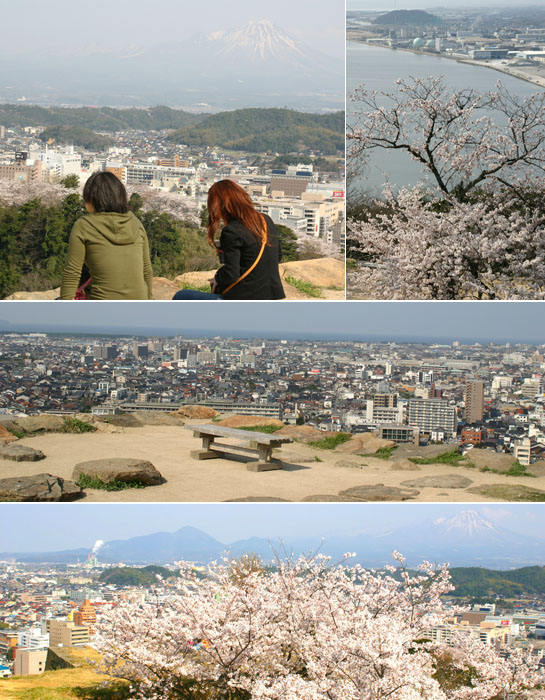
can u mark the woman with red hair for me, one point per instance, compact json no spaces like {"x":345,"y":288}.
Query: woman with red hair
{"x":248,"y":248}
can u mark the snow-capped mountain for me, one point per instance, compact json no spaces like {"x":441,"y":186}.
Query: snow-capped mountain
{"x":255,"y":65}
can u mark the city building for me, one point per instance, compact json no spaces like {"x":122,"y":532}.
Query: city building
{"x":474,"y":400}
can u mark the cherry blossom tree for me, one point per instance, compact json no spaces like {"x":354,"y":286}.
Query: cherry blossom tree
{"x":477,"y":231}
{"x":304,"y":630}
{"x":461,"y":138}
{"x":418,"y":248}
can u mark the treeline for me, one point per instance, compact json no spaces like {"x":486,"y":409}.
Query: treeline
{"x":267,"y":130}
{"x":479,"y":582}
{"x":34,"y":242}
{"x":130,"y":576}
{"x":98,"y":118}
{"x":78,"y":136}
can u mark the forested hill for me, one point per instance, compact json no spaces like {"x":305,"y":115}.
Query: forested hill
{"x":78,"y":136}
{"x":404,"y":17}
{"x":478,"y":582}
{"x":98,"y":118}
{"x":131,"y":576}
{"x":267,"y":130}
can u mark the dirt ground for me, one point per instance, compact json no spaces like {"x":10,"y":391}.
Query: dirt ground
{"x":187,"y":479}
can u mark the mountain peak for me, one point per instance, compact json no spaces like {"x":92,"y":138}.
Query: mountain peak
{"x":469,"y":522}
{"x":262,"y":38}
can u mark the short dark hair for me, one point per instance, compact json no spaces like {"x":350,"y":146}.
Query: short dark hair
{"x":106,"y":193}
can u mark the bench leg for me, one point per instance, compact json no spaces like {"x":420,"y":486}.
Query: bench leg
{"x":264,"y":463}
{"x":206,"y":452}
{"x":264,"y":466}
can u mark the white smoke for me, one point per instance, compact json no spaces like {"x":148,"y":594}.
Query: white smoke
{"x":98,"y":544}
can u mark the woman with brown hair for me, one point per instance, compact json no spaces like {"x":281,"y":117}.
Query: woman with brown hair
{"x":248,"y":248}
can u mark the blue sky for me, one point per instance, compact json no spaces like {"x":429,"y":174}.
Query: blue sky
{"x":43,"y":527}
{"x":484,"y":321}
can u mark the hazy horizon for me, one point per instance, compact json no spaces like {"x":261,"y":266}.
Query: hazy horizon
{"x":42,"y":527}
{"x":434,"y":321}
{"x":131,"y":24}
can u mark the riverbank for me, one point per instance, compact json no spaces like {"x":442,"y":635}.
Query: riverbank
{"x":506,"y":70}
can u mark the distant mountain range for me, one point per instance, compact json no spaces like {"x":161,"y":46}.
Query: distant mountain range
{"x":258,"y":65}
{"x":466,"y":539}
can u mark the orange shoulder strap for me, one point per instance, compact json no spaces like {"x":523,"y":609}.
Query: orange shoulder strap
{"x":253,"y":264}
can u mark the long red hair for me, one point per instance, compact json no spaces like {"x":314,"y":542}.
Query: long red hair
{"x":227,"y":201}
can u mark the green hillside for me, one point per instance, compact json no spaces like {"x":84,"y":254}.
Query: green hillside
{"x":98,"y":118}
{"x":131,"y":576}
{"x":78,"y":136}
{"x":267,"y":130}
{"x":478,"y":582}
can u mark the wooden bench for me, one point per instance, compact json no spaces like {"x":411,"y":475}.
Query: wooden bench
{"x":261,"y":445}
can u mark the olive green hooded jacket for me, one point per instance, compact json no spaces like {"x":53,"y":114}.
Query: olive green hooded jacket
{"x":115,"y":249}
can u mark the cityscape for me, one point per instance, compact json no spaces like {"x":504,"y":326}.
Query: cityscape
{"x":487,"y":397}
{"x":503,"y":39}
{"x":55,"y":604}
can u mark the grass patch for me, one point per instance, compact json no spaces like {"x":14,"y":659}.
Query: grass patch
{"x":452,"y":457}
{"x":317,"y":459}
{"x":330,"y":443}
{"x":381,"y":453}
{"x":91,"y":482}
{"x":269,"y":429}
{"x":311,"y":290}
{"x":18,"y":433}
{"x":517,"y":469}
{"x":74,"y":425}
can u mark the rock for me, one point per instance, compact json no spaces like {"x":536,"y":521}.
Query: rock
{"x":39,"y":487}
{"x":405,"y":466}
{"x":379,"y":492}
{"x":322,"y":272}
{"x":157,"y":418}
{"x":326,"y":273}
{"x":305,"y":433}
{"x":122,"y":420}
{"x":365,"y":443}
{"x":196,"y":412}
{"x":347,"y":464}
{"x":237,"y":421}
{"x":288,"y":457}
{"x":21,"y":453}
{"x":509,"y":492}
{"x":49,"y":294}
{"x":6,"y":436}
{"x":492,"y":460}
{"x":439,"y":481}
{"x":36,"y":424}
{"x":119,"y":469}
{"x":257,"y":499}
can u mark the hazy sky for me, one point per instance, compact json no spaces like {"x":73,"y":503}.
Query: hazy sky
{"x":42,"y":527}
{"x":387,"y":5}
{"x":65,"y":24}
{"x":485,"y":321}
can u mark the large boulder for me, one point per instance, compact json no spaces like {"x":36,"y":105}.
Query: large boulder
{"x":39,"y":487}
{"x":5,"y":436}
{"x":39,"y":424}
{"x":119,"y":469}
{"x":20,"y":453}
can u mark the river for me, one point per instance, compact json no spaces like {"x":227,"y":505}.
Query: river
{"x":378,"y":68}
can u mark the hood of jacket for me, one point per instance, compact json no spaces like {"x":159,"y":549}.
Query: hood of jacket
{"x":119,"y":229}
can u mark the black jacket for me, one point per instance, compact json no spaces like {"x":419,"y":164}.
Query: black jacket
{"x":240,"y":248}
